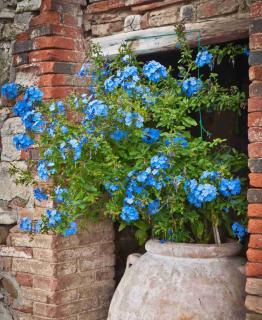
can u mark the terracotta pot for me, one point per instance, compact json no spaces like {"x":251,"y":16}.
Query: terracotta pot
{"x":176,"y":281}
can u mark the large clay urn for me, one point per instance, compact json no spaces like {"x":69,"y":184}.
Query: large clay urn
{"x":176,"y":281}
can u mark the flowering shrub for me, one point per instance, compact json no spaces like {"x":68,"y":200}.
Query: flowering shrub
{"x":130,"y":155}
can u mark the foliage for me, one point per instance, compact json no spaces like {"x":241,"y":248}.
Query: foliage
{"x":125,"y":149}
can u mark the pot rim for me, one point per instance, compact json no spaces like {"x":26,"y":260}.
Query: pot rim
{"x":193,"y":250}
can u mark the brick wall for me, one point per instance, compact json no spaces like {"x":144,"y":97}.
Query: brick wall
{"x":254,"y":253}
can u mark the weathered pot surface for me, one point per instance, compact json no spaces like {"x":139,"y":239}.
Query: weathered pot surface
{"x":176,"y":281}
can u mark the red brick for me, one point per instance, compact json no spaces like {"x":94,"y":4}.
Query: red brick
{"x":24,"y":279}
{"x":255,"y":89}
{"x":50,"y":80}
{"x":46,"y":17}
{"x":255,"y":241}
{"x":254,"y":104}
{"x":254,"y":303}
{"x":47,"y":67}
{"x":56,"y":55}
{"x":57,"y":92}
{"x":70,"y":20}
{"x":50,"y":29}
{"x":214,"y":8}
{"x":151,"y":6}
{"x":254,"y":255}
{"x":254,"y":269}
{"x":256,"y":10}
{"x":255,"y":119}
{"x":255,"y":209}
{"x":102,"y":6}
{"x":25,"y":155}
{"x":255,"y":73}
{"x":255,"y":226}
{"x":53,"y":42}
{"x":255,"y":41}
{"x":255,"y":150}
{"x":255,"y":134}
{"x":255,"y":180}
{"x":22,"y":36}
{"x":45,"y":283}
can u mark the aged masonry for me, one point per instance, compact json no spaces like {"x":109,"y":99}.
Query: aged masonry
{"x":44,"y":43}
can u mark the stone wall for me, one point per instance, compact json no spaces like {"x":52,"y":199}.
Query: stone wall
{"x":254,"y":253}
{"x":102,"y":18}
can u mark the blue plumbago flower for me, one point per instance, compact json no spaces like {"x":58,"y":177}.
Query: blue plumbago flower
{"x":128,"y":73}
{"x":111,"y":187}
{"x":129,"y":213}
{"x":246,"y":51}
{"x":150,"y":135}
{"x":204,"y":57}
{"x":10,"y":90}
{"x":40,"y":195}
{"x":159,"y":162}
{"x":44,"y":169}
{"x":48,"y":152}
{"x":62,"y":149}
{"x":136,"y":117}
{"x":177,"y":140}
{"x":199,"y":193}
{"x":37,"y":226}
{"x":59,"y":106}
{"x":191,"y":86}
{"x":59,"y":193}
{"x":33,"y":94}
{"x":118,"y":135}
{"x":126,"y":58}
{"x":77,"y":147}
{"x":239,"y":231}
{"x":32,"y":120}
{"x":229,"y":187}
{"x":154,"y":71}
{"x":25,"y":224}
{"x":64,"y":129}
{"x":154,"y":206}
{"x":54,"y":217}
{"x":52,"y":128}
{"x":84,"y":71}
{"x":96,"y":108}
{"x":22,"y":141}
{"x":212,"y":175}
{"x":111,"y":83}
{"x":71,"y":230}
{"x":226,"y":209}
{"x":21,"y":108}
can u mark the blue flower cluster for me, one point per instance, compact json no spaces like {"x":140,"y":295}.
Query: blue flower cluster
{"x":96,"y":108}
{"x":150,"y":135}
{"x":178,"y":140}
{"x":204,"y":57}
{"x":134,"y":117}
{"x":71,"y":230}
{"x":129,"y":213}
{"x":154,"y":71}
{"x":239,"y":231}
{"x":40,"y":195}
{"x":57,"y":106}
{"x":54,"y":217}
{"x":191,"y":86}
{"x":10,"y":90}
{"x":25,"y":224}
{"x":154,"y":206}
{"x":111,"y":187}
{"x":22,"y":141}
{"x":118,"y":135}
{"x":211,"y":175}
{"x":229,"y":187}
{"x":197,"y":194}
{"x":84,"y":70}
{"x":44,"y":169}
{"x":59,"y":193}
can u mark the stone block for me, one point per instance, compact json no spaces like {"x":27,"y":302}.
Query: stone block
{"x":99,"y":30}
{"x":132,"y":23}
{"x":23,"y":20}
{"x":253,"y":316}
{"x":255,"y":57}
{"x":28,"y":5}
{"x":167,"y":16}
{"x":7,"y":13}
{"x":254,"y":303}
{"x":9,"y":151}
{"x":255,"y":26}
{"x":254,"y":286}
{"x":106,"y":5}
{"x":187,"y":13}
{"x":8,"y":217}
{"x":255,"y":41}
{"x":255,"y":165}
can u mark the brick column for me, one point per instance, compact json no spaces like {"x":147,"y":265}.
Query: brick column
{"x":254,"y":253}
{"x":65,"y":278}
